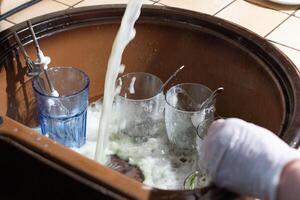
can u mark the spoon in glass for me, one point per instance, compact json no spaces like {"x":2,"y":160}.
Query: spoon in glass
{"x":41,"y":57}
{"x":171,"y":77}
{"x":206,"y":104}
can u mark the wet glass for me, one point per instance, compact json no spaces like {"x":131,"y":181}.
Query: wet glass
{"x":140,"y":105}
{"x":63,"y":118}
{"x":183,"y":117}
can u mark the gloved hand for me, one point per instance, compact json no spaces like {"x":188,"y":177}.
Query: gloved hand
{"x":245,"y":158}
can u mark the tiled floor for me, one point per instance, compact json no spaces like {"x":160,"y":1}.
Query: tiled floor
{"x":205,"y":6}
{"x":242,"y":13}
{"x":277,"y":23}
{"x":38,"y":9}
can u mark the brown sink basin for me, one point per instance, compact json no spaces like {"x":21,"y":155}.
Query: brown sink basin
{"x":261,"y":86}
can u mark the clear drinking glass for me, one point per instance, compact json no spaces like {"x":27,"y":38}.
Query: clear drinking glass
{"x":183,"y":117}
{"x":63,"y":118}
{"x":140,"y":104}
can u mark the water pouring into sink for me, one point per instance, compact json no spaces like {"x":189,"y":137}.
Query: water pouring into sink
{"x":125,"y":34}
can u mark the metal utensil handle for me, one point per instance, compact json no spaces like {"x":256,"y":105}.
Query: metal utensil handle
{"x":211,"y":98}
{"x":38,"y":50}
{"x":171,"y":77}
{"x":26,"y":57}
{"x":49,"y":81}
{"x":207,"y":103}
{"x":36,"y":44}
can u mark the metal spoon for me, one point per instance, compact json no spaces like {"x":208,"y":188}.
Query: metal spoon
{"x":207,"y":103}
{"x":171,"y":77}
{"x":38,"y":49}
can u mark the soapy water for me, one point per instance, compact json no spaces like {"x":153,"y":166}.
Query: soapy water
{"x":162,"y":166}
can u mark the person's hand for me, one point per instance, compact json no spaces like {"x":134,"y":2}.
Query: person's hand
{"x":245,"y":158}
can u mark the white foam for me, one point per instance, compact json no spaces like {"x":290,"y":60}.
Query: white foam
{"x":160,"y":167}
{"x":43,"y":62}
{"x":54,"y":93}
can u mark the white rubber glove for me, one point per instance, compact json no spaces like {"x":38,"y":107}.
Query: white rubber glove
{"x":245,"y":158}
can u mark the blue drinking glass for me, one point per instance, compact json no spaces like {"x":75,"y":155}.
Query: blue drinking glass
{"x":63,"y":118}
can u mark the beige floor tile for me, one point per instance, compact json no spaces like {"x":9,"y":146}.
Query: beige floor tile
{"x":7,"y":5}
{"x":103,"y":2}
{"x":256,"y":18}
{"x":69,"y":2}
{"x":293,"y":54}
{"x":41,"y":8}
{"x":205,"y":6}
{"x":287,"y":33}
{"x":275,"y":6}
{"x":5,"y":25}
